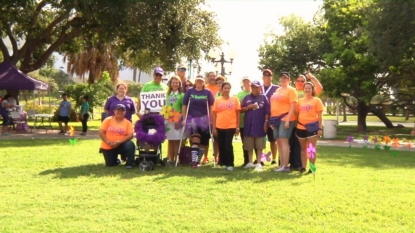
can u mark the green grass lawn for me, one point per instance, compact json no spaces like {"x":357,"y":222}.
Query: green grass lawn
{"x":348,"y":130}
{"x":50,"y":186}
{"x":370,"y":118}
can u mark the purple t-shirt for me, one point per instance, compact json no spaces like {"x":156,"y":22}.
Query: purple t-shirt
{"x":197,"y":106}
{"x":129,"y":103}
{"x":255,"y":119}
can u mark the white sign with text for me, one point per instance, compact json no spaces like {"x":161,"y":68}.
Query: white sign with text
{"x":154,"y":100}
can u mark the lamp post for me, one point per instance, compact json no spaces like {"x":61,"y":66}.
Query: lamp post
{"x":220,"y":61}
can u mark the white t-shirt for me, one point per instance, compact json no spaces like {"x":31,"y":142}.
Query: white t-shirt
{"x":3,"y":105}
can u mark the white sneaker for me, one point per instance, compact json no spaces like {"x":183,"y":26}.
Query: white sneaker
{"x":230,"y":169}
{"x":258,"y":167}
{"x":224,"y":167}
{"x":282,"y":169}
{"x":249,"y":165}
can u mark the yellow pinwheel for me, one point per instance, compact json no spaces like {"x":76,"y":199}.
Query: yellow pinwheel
{"x":166,"y":112}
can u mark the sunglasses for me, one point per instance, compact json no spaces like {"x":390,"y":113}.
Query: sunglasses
{"x":158,"y":75}
{"x":300,"y":81}
{"x":120,"y":109}
{"x":189,"y":85}
{"x":219,"y":82}
{"x":181,"y":69}
{"x":266,"y":75}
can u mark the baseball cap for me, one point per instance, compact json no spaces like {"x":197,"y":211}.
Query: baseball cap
{"x":256,"y":83}
{"x":159,"y":70}
{"x":246,"y":78}
{"x":267,"y":70}
{"x":118,"y":106}
{"x":181,"y":66}
{"x":200,"y":77}
{"x":285,"y":74}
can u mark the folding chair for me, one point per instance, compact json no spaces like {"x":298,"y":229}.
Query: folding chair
{"x":17,"y":120}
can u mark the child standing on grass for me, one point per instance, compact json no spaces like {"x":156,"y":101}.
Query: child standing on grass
{"x":174,"y":99}
{"x":83,"y":115}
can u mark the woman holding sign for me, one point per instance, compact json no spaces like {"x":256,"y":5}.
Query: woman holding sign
{"x":196,"y":110}
{"x":121,"y":98}
{"x":174,"y":99}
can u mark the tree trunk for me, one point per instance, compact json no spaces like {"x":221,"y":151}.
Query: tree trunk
{"x":135,"y":75}
{"x":362,"y":110}
{"x":344,"y":113}
{"x":381,"y":115}
{"x":91,"y":77}
{"x":139,"y":76}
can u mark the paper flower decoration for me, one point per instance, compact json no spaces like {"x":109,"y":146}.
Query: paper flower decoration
{"x":266,"y":157}
{"x":371,"y":138}
{"x":311,"y":150}
{"x":166,"y":112}
{"x":313,"y":169}
{"x":175,"y":117}
{"x":376,"y":140}
{"x":386,"y":139}
{"x":395,"y":143}
{"x":365,"y":138}
{"x":408,"y":144}
{"x":71,"y":131}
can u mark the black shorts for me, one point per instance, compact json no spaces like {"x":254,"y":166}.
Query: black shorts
{"x":64,"y":119}
{"x":204,"y":138}
{"x":270,"y":135}
{"x":303,"y":133}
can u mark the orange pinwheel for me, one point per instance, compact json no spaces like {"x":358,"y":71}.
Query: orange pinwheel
{"x":176,"y":117}
{"x":395,"y":143}
{"x":408,"y":144}
{"x":71,"y":131}
{"x":386,"y":140}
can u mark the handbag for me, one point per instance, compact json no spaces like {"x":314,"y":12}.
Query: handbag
{"x":311,"y":127}
{"x":185,"y":156}
{"x":276,"y":121}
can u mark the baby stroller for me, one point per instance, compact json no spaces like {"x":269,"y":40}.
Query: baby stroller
{"x":150,"y":133}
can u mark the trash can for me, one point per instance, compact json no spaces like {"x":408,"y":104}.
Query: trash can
{"x":103,"y":116}
{"x":330,"y":129}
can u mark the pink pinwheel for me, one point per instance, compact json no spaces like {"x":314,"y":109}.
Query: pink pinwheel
{"x":266,"y":157}
{"x":311,"y":150}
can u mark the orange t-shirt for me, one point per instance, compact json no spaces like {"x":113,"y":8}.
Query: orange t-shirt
{"x":226,"y":112}
{"x":114,"y":131}
{"x":213,"y":89}
{"x":308,"y":111}
{"x":281,"y":101}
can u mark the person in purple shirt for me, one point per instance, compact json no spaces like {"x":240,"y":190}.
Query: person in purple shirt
{"x":199,"y":101}
{"x":268,"y":89}
{"x":257,"y":109}
{"x":121,"y":98}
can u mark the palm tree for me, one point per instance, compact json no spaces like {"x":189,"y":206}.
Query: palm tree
{"x":93,"y":60}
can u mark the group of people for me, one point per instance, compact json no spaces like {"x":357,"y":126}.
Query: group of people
{"x":288,"y":118}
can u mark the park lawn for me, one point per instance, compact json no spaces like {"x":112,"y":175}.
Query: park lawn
{"x":50,"y":186}
{"x":370,"y":118}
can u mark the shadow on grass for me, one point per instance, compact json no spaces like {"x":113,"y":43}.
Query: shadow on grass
{"x":163,"y":173}
{"x":366,"y":158}
{"x":35,"y":142}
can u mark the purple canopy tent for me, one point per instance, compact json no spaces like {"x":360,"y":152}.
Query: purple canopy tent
{"x":12,"y":78}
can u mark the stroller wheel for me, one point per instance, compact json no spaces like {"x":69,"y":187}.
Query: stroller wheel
{"x":144,"y":166}
{"x":151,"y":165}
{"x":165,"y":162}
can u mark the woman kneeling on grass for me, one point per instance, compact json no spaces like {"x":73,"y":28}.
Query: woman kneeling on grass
{"x":116,"y":133}
{"x":309,"y":128}
{"x":225,"y":119}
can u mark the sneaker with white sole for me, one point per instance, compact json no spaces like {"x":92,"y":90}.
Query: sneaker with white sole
{"x":250,"y":165}
{"x":258,"y":167}
{"x":224,"y":167}
{"x":282,"y":169}
{"x":230,"y":169}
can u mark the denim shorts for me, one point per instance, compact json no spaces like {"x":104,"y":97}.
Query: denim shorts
{"x":282,"y":132}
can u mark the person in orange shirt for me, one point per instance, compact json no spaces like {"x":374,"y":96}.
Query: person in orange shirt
{"x":211,"y":83}
{"x":282,"y":119}
{"x":225,"y":120}
{"x":309,"y":128}
{"x":116,"y":133}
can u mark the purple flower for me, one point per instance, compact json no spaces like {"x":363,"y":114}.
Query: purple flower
{"x":375,"y":139}
{"x":365,"y":138}
{"x":349,"y":139}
